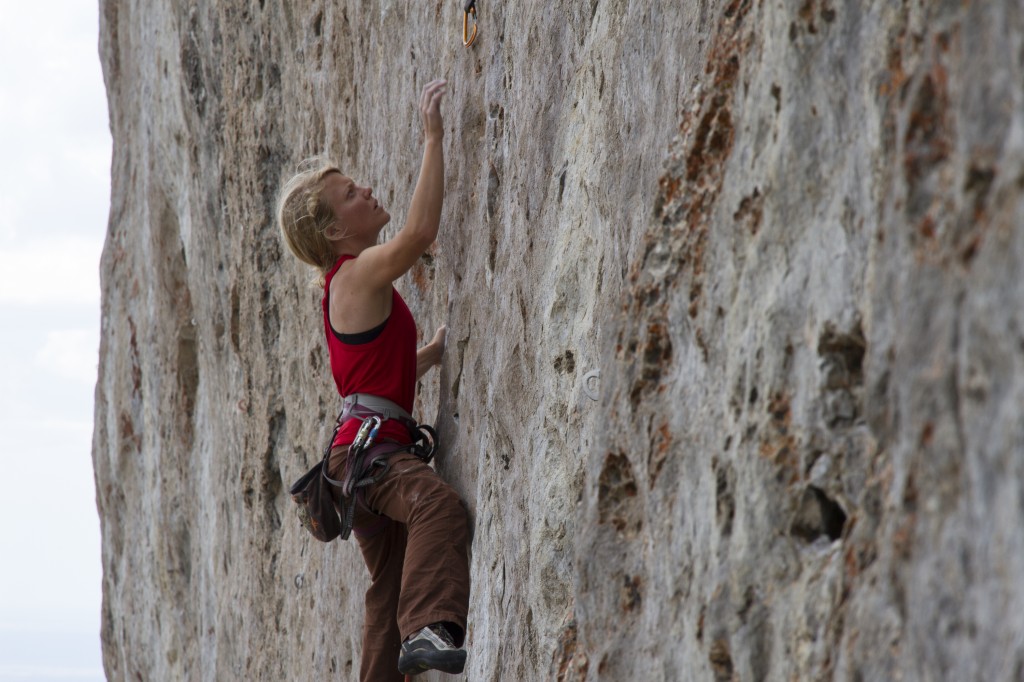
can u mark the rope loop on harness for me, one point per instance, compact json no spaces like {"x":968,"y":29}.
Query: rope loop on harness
{"x":470,"y":8}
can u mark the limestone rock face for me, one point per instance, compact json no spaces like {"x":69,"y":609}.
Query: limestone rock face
{"x":736,"y":363}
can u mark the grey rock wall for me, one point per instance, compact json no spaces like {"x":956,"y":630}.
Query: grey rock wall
{"x":788,"y":236}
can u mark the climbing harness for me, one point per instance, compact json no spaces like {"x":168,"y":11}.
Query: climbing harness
{"x":368,"y":461}
{"x":373,"y":410}
{"x":470,"y":8}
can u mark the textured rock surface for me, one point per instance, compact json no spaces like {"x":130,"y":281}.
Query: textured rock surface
{"x":788,"y":234}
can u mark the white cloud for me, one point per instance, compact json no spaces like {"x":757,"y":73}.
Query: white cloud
{"x":48,"y":673}
{"x":70,"y":354}
{"x":53,"y":120}
{"x":48,"y":593}
{"x":54,"y":197}
{"x":51,"y":271}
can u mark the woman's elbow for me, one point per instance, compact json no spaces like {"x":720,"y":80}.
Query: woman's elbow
{"x":423,"y":234}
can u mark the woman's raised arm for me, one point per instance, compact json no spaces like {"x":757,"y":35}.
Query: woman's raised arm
{"x":379,"y":266}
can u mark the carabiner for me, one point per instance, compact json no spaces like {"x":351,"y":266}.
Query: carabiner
{"x":363,"y":437}
{"x":470,"y":8}
{"x":373,"y":432}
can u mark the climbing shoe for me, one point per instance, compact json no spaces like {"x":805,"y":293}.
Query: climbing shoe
{"x":431,"y":648}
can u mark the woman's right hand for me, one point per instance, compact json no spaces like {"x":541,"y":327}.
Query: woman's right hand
{"x":430,"y":108}
{"x":378,"y":266}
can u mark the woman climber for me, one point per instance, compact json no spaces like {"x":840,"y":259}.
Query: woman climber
{"x":411,"y":526}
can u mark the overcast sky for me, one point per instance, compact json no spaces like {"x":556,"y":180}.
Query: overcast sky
{"x":54,"y":198}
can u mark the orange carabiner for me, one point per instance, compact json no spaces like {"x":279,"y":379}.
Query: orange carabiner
{"x":470,"y":8}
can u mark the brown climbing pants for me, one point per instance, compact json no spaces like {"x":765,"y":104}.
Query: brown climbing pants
{"x":416,"y":549}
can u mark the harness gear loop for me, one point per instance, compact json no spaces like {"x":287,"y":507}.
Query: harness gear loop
{"x":470,"y":8}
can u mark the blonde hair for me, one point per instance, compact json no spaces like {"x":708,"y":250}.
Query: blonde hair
{"x":304,"y":218}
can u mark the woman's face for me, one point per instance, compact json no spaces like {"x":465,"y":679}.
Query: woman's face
{"x":355,"y":208}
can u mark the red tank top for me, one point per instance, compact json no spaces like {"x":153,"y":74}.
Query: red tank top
{"x":385,"y":366}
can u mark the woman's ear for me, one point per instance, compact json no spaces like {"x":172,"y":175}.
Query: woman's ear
{"x":334,"y":233}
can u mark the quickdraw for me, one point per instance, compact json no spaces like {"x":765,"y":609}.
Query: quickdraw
{"x":470,"y":8}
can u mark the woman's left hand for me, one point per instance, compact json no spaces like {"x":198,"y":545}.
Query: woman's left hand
{"x":431,"y":354}
{"x":440,"y":340}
